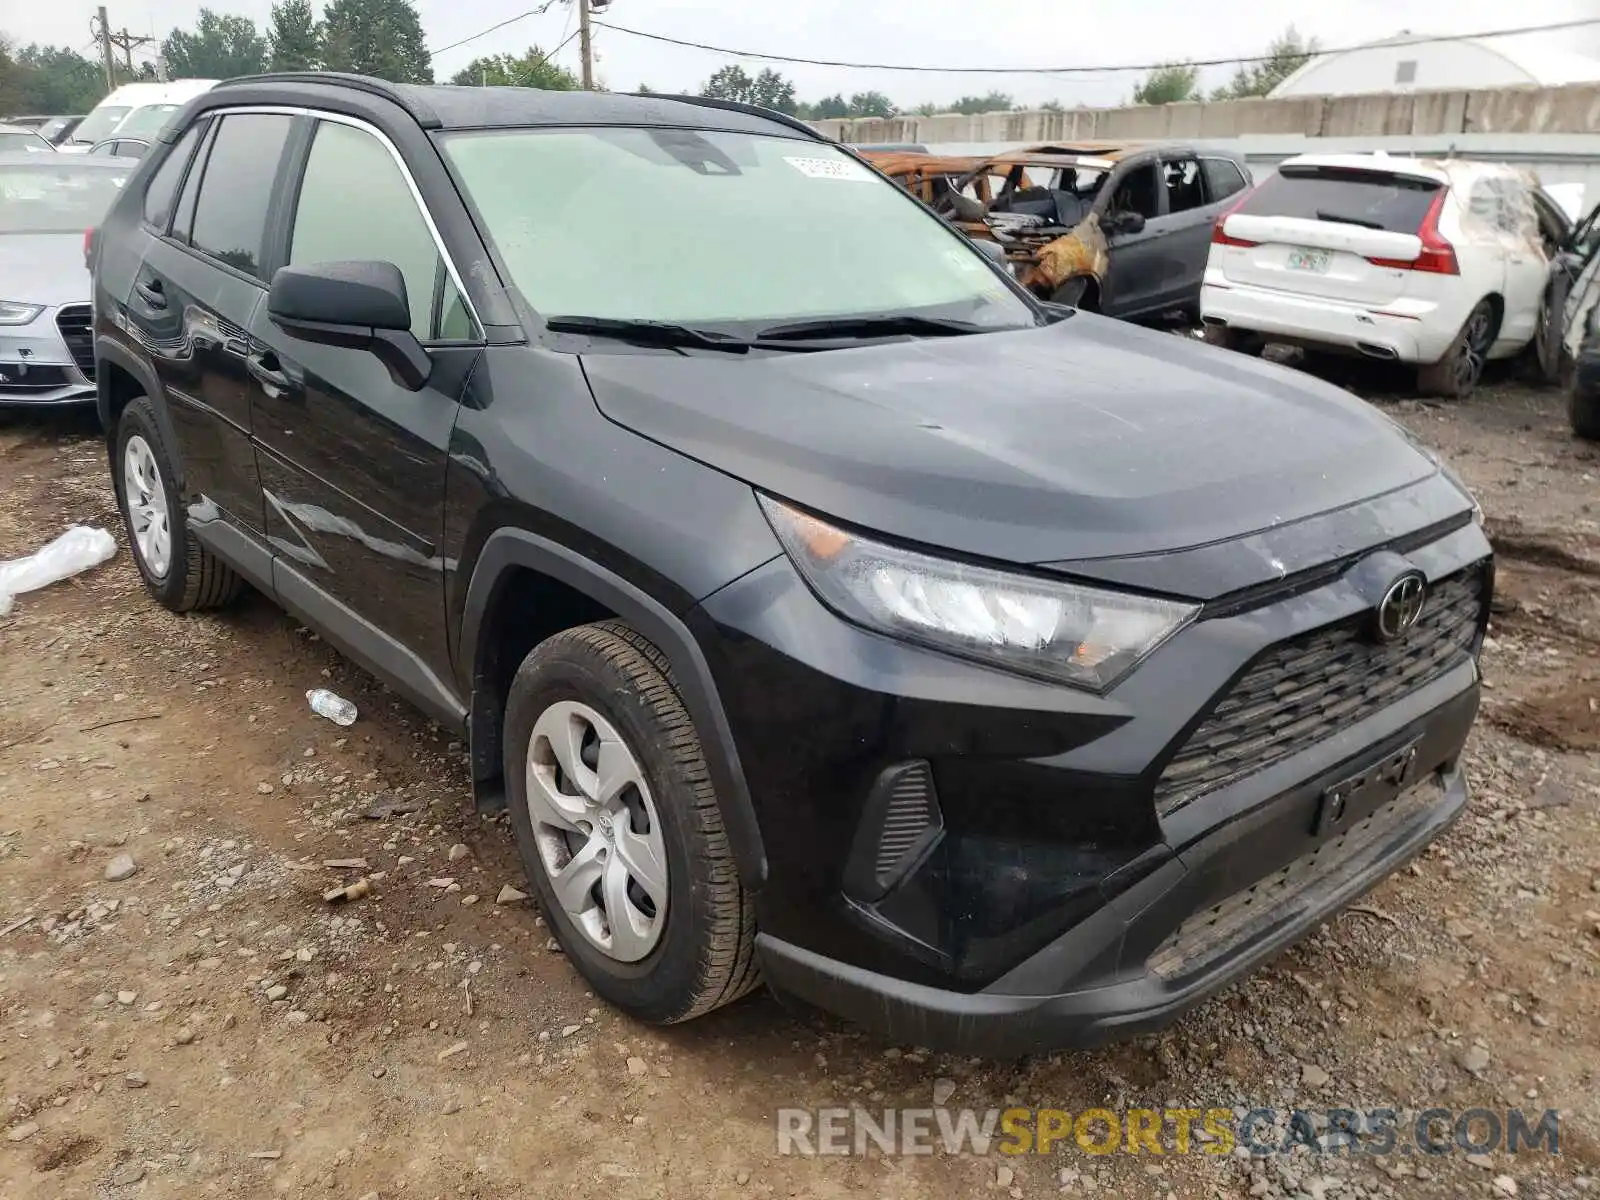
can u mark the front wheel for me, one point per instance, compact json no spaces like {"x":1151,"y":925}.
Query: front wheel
{"x":1455,"y":375}
{"x":618,"y":828}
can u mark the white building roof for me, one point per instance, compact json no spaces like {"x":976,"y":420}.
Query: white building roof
{"x":1523,"y":60}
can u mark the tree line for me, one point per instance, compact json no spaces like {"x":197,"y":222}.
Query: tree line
{"x":384,"y":38}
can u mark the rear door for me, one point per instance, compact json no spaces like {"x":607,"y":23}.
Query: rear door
{"x":1191,"y":211}
{"x":1507,"y":204}
{"x":195,"y":295}
{"x":352,"y":463}
{"x":1334,"y":232}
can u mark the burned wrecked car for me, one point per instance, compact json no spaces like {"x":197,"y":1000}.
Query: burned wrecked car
{"x":1118,"y":227}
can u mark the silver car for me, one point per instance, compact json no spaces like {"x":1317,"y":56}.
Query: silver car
{"x":48,"y":203}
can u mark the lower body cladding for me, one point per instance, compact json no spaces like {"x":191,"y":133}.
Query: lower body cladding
{"x":978,"y":863}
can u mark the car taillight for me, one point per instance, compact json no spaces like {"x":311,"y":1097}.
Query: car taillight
{"x":1438,"y":256}
{"x":1218,"y":237}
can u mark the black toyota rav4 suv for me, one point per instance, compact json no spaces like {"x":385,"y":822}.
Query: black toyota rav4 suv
{"x":827,"y":611}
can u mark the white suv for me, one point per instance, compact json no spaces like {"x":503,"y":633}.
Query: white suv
{"x":1443,"y":264}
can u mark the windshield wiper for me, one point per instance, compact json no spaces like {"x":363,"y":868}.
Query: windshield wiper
{"x":648,"y":333}
{"x":1341,"y":219}
{"x":887,"y":325}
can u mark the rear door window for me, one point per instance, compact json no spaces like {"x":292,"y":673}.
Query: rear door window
{"x":230,"y":217}
{"x":1369,"y":199}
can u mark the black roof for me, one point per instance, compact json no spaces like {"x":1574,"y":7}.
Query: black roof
{"x":451,"y":107}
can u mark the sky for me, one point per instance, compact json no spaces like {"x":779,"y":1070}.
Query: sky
{"x":929,"y":33}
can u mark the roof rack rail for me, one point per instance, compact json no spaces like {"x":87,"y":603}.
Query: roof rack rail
{"x":406,"y":98}
{"x":753,"y":110}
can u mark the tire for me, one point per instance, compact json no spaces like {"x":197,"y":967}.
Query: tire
{"x":187,"y":576}
{"x":1455,"y":375}
{"x":699,"y":953}
{"x":1540,"y":361}
{"x":1241,"y":341}
{"x":1583,"y":407}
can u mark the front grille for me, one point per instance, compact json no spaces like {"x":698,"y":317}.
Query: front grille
{"x":1308,"y":688}
{"x":76,"y":323}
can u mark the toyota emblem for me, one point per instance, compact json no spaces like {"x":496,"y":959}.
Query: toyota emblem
{"x":1401,"y":606}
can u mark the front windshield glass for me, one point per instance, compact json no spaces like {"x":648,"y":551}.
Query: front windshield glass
{"x":700,"y":227}
{"x":98,"y":124}
{"x":61,"y":195}
{"x":146,"y":122}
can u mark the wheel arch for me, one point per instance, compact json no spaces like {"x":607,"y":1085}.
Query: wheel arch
{"x":576,"y":590}
{"x":120,"y":378}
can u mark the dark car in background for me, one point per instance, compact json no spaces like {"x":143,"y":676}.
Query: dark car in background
{"x":1120,"y":228}
{"x":47,"y":203}
{"x":54,"y":130}
{"x":996,"y":674}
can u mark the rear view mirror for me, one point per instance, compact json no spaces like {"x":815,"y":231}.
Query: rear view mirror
{"x":357,"y":305}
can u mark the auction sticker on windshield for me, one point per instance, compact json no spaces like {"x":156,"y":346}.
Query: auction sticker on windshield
{"x":829,"y":168}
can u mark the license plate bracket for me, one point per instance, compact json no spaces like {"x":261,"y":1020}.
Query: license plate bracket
{"x":1314,"y":261}
{"x":1356,"y":797}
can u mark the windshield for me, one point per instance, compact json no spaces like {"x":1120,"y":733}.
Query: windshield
{"x":100,"y":123}
{"x":64,"y":195}
{"x":146,"y":122}
{"x":29,"y":143}
{"x":701,"y":227}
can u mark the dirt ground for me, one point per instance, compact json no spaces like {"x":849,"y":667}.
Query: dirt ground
{"x":209,"y":1027}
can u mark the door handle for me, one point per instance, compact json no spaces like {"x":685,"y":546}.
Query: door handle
{"x":150,"y":291}
{"x":266,"y":370}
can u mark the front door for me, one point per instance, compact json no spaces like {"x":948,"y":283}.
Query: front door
{"x":1135,"y":277}
{"x":352,"y":463}
{"x":196,"y":295}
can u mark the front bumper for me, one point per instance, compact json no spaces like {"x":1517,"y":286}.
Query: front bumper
{"x":1180,"y":934}
{"x":37,"y":364}
{"x":945,"y":841}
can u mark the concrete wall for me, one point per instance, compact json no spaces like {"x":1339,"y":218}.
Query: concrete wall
{"x":1564,"y":110}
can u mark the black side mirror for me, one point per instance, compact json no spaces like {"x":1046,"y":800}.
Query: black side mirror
{"x":357,"y":305}
{"x":1125,"y":222}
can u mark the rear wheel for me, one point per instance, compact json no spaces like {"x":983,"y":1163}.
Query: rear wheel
{"x":1455,"y":375}
{"x":177,"y":570}
{"x":618,"y":828}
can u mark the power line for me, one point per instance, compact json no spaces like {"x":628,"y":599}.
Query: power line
{"x":532,"y":12}
{"x":1078,"y":70}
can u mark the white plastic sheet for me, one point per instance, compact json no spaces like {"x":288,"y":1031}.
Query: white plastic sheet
{"x":75,"y":551}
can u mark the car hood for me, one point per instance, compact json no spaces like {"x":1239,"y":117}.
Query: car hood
{"x":1084,"y":439}
{"x":43,"y":268}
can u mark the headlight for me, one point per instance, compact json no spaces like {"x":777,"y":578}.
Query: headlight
{"x":1053,"y":629}
{"x":14,"y":312}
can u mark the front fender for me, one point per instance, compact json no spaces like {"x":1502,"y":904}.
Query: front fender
{"x":506,"y":549}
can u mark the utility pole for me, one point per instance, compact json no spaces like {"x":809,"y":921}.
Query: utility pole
{"x":128,"y":43}
{"x":101,"y":27}
{"x":585,"y":46}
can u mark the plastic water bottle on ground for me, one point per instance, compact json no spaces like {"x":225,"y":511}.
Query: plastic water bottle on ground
{"x":336,"y":708}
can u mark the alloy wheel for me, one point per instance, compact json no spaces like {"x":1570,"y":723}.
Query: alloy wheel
{"x":597,"y":830}
{"x":1475,"y":352}
{"x":146,"y":498}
